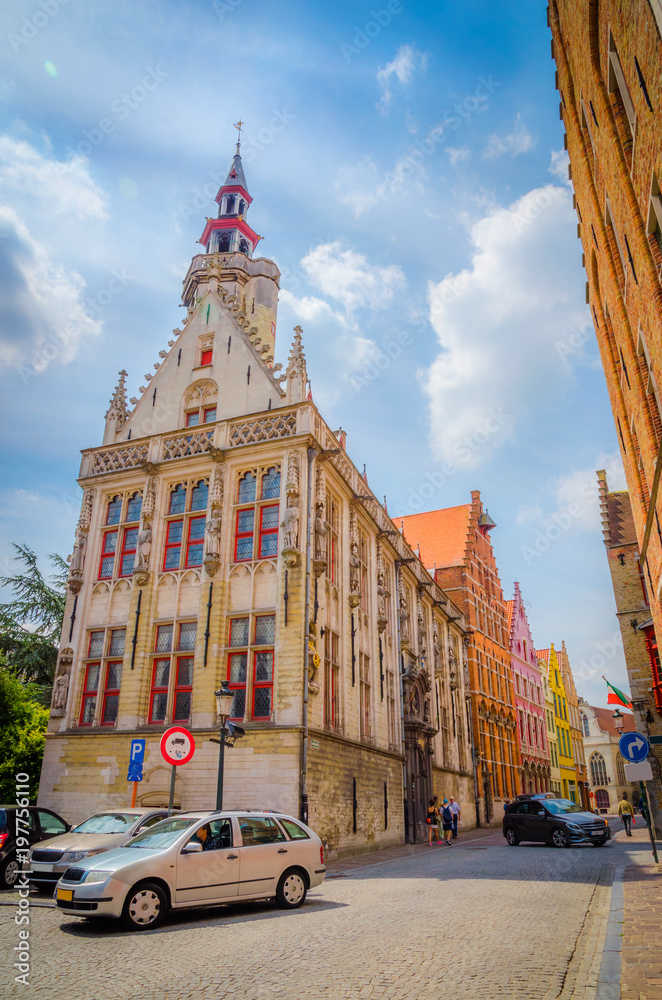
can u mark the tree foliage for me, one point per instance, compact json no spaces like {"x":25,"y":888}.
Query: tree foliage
{"x":30,"y":624}
{"x":23,"y":724}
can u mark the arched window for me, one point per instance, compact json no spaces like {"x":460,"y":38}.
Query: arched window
{"x":585,"y":728}
{"x":114,"y":511}
{"x":134,"y":507}
{"x":230,"y":201}
{"x":224,"y":242}
{"x":602,"y":799}
{"x":244,"y":247}
{"x":271,"y":484}
{"x":199,"y":496}
{"x":246,"y":492}
{"x":620,"y":771}
{"x":242,"y":207}
{"x":598,"y":770}
{"x":177,"y":500}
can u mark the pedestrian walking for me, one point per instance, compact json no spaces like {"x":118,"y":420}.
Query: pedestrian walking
{"x":455,"y":809}
{"x":447,"y":822}
{"x":432,"y":820}
{"x":626,"y":813}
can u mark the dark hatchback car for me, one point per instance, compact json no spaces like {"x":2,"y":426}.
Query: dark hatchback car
{"x":38,"y":825}
{"x":553,"y":821}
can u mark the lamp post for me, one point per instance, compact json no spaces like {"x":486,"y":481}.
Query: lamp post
{"x":224,"y":699}
{"x":619,"y":720}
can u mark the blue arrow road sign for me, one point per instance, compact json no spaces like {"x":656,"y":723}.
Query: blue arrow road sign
{"x":633,"y":747}
{"x":137,"y":755}
{"x":135,"y":772}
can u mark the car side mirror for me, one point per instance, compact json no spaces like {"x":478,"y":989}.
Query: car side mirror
{"x":541,"y":812}
{"x":193,"y":847}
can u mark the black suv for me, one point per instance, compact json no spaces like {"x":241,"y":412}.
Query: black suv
{"x":553,"y":821}
{"x":38,"y":825}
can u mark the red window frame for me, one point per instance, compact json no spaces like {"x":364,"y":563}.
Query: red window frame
{"x":107,"y":691}
{"x":237,"y":685}
{"x":181,"y":689}
{"x":238,"y":535}
{"x":197,"y":543}
{"x":107,"y":553}
{"x":654,"y":660}
{"x":266,"y":532}
{"x":206,"y":417}
{"x":206,"y":357}
{"x":190,"y":421}
{"x":127,"y":551}
{"x":89,"y":694}
{"x":171,"y":545}
{"x":159,"y":689}
{"x":262,"y":685}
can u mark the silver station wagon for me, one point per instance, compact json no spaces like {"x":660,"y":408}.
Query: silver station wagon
{"x":196,"y":859}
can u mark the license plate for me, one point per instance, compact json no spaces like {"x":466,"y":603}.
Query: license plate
{"x":596,"y":833}
{"x":41,"y":868}
{"x":66,"y":895}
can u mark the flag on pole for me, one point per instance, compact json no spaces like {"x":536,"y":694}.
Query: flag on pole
{"x":616,"y":697}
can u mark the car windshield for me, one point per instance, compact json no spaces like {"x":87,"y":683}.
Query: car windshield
{"x":557,"y":806}
{"x":163,"y":834}
{"x":108,"y":823}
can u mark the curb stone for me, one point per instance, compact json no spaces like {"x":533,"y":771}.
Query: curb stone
{"x":609,"y":978}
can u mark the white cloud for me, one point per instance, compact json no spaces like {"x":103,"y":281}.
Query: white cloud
{"x":65,"y":186}
{"x":558,"y":166}
{"x":460,"y":155}
{"x":577,"y":492}
{"x":348,"y":277}
{"x":499,"y":323}
{"x":526,"y":514}
{"x":42,"y":316}
{"x":402,"y":68}
{"x":518,"y":141}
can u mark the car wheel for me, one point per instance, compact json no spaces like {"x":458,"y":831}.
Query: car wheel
{"x":9,"y":873}
{"x":144,"y":907}
{"x":512,"y":838}
{"x":291,"y":890}
{"x":560,"y":838}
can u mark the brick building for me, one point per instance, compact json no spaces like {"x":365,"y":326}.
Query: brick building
{"x":636,"y":626}
{"x":609,"y":76}
{"x":225,"y":534}
{"x":455,"y":545}
{"x":529,"y":699}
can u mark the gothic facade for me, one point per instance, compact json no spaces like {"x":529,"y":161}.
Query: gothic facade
{"x":225,"y":534}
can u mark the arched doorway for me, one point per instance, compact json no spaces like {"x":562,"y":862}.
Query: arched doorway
{"x":602,"y":799}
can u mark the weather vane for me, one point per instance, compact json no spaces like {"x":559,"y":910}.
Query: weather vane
{"x":239,"y":126}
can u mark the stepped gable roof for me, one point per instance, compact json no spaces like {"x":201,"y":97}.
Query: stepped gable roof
{"x":606,"y":722}
{"x":621,"y":521}
{"x":441,"y":534}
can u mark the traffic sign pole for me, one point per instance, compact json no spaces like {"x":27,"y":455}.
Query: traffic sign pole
{"x":643,"y":789}
{"x":172,"y":789}
{"x":133,"y":794}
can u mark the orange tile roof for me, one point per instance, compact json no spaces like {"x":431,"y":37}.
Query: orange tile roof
{"x":509,"y":614}
{"x":441,"y":534}
{"x":542,"y":654}
{"x":606,"y":722}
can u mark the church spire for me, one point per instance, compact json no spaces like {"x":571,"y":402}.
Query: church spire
{"x":229,"y":232}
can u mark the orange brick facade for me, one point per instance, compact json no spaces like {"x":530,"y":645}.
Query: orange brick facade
{"x":609,"y":59}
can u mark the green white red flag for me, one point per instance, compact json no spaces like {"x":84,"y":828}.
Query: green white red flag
{"x":616,"y":697}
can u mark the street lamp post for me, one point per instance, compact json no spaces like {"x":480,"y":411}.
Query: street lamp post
{"x":619,"y":720}
{"x":224,"y":699}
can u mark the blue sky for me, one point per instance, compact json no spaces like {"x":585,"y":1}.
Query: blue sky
{"x":406,"y":165}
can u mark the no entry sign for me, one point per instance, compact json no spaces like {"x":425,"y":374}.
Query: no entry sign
{"x":177,"y":745}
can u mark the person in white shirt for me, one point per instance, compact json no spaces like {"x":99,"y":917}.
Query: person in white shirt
{"x":455,"y":809}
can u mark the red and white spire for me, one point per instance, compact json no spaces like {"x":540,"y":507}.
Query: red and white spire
{"x":229,"y":232}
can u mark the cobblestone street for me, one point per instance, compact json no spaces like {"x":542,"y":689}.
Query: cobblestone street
{"x":475,"y":921}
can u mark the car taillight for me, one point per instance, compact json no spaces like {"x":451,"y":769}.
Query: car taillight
{"x":3,"y":837}
{"x":322,"y":853}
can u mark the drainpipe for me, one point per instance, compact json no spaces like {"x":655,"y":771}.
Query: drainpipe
{"x":303,"y":804}
{"x":405,"y":783}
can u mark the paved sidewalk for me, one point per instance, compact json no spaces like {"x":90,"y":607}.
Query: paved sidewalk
{"x":470,"y":838}
{"x":641,"y":972}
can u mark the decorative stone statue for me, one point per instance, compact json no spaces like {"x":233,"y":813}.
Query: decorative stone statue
{"x":78,"y":556}
{"x":321,"y":531}
{"x":403,"y":614}
{"x":290,"y":526}
{"x":60,"y":692}
{"x":436,"y":647}
{"x":213,"y":535}
{"x":143,"y":546}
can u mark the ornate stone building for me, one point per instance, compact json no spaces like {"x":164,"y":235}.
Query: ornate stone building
{"x":606,"y":774}
{"x":225,"y":534}
{"x":456,"y":547}
{"x":636,"y":626}
{"x":564,"y":775}
{"x":609,"y":76}
{"x":529,"y":699}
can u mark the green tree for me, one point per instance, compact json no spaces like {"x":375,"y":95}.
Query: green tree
{"x":30,"y":624}
{"x":23,"y":724}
